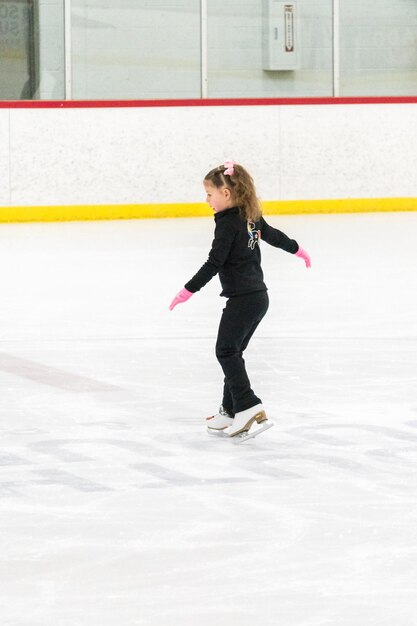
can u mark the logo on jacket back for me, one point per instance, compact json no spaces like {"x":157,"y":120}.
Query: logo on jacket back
{"x":254,"y":235}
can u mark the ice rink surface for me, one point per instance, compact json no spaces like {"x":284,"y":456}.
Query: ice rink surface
{"x":118,"y":509}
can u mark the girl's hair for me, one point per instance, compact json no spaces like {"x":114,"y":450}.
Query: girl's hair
{"x":241,"y":184}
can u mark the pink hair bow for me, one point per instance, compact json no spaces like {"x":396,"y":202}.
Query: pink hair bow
{"x":230,"y":168}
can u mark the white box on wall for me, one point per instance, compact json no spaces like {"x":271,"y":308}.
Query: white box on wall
{"x":280,"y":45}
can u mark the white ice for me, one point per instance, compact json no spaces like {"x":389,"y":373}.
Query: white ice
{"x":117,"y":509}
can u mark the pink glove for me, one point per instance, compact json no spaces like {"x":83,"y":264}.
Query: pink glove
{"x":182,"y":296}
{"x":304,"y":255}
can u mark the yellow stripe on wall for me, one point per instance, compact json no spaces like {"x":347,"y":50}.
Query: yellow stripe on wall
{"x":345,"y":205}
{"x":101,"y":212}
{"x":144,"y":211}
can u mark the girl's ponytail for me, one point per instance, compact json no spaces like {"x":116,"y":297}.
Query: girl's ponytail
{"x":240,"y":183}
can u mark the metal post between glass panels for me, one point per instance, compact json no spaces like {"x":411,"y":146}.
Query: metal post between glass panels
{"x":336,"y":48}
{"x":67,"y":49}
{"x":203,"y":45}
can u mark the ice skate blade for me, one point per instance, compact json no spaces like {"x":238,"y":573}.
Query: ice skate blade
{"x":217,"y":433}
{"x":250,"y":434}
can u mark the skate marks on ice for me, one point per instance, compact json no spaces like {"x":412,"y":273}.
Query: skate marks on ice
{"x":51,"y":376}
{"x":373,"y":456}
{"x":306,"y":514}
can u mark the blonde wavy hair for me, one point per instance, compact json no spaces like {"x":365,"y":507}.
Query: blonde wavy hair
{"x":241,"y":185}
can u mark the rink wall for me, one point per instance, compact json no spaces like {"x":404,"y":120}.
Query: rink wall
{"x":98,"y":160}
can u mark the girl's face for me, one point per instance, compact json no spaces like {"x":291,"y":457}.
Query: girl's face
{"x":219,"y":198}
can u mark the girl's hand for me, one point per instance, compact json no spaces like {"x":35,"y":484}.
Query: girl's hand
{"x":182,"y":296}
{"x":304,"y":255}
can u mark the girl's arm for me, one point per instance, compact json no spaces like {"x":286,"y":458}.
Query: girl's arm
{"x":223,"y":239}
{"x":220,"y":248}
{"x":278,"y":239}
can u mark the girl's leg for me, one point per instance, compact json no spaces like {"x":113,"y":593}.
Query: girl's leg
{"x":227,"y":402}
{"x":239,"y":321}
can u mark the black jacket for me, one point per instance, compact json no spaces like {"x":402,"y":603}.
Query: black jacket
{"x":235,"y":254}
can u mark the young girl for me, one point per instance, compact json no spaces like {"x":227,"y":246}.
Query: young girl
{"x":235,"y":255}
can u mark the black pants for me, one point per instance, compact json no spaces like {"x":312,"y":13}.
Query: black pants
{"x":239,"y":321}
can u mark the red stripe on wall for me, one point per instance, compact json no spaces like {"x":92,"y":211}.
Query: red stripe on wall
{"x":209,"y":102}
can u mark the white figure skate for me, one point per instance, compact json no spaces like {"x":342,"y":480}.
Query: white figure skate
{"x":242,"y":427}
{"x":219,"y":422}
